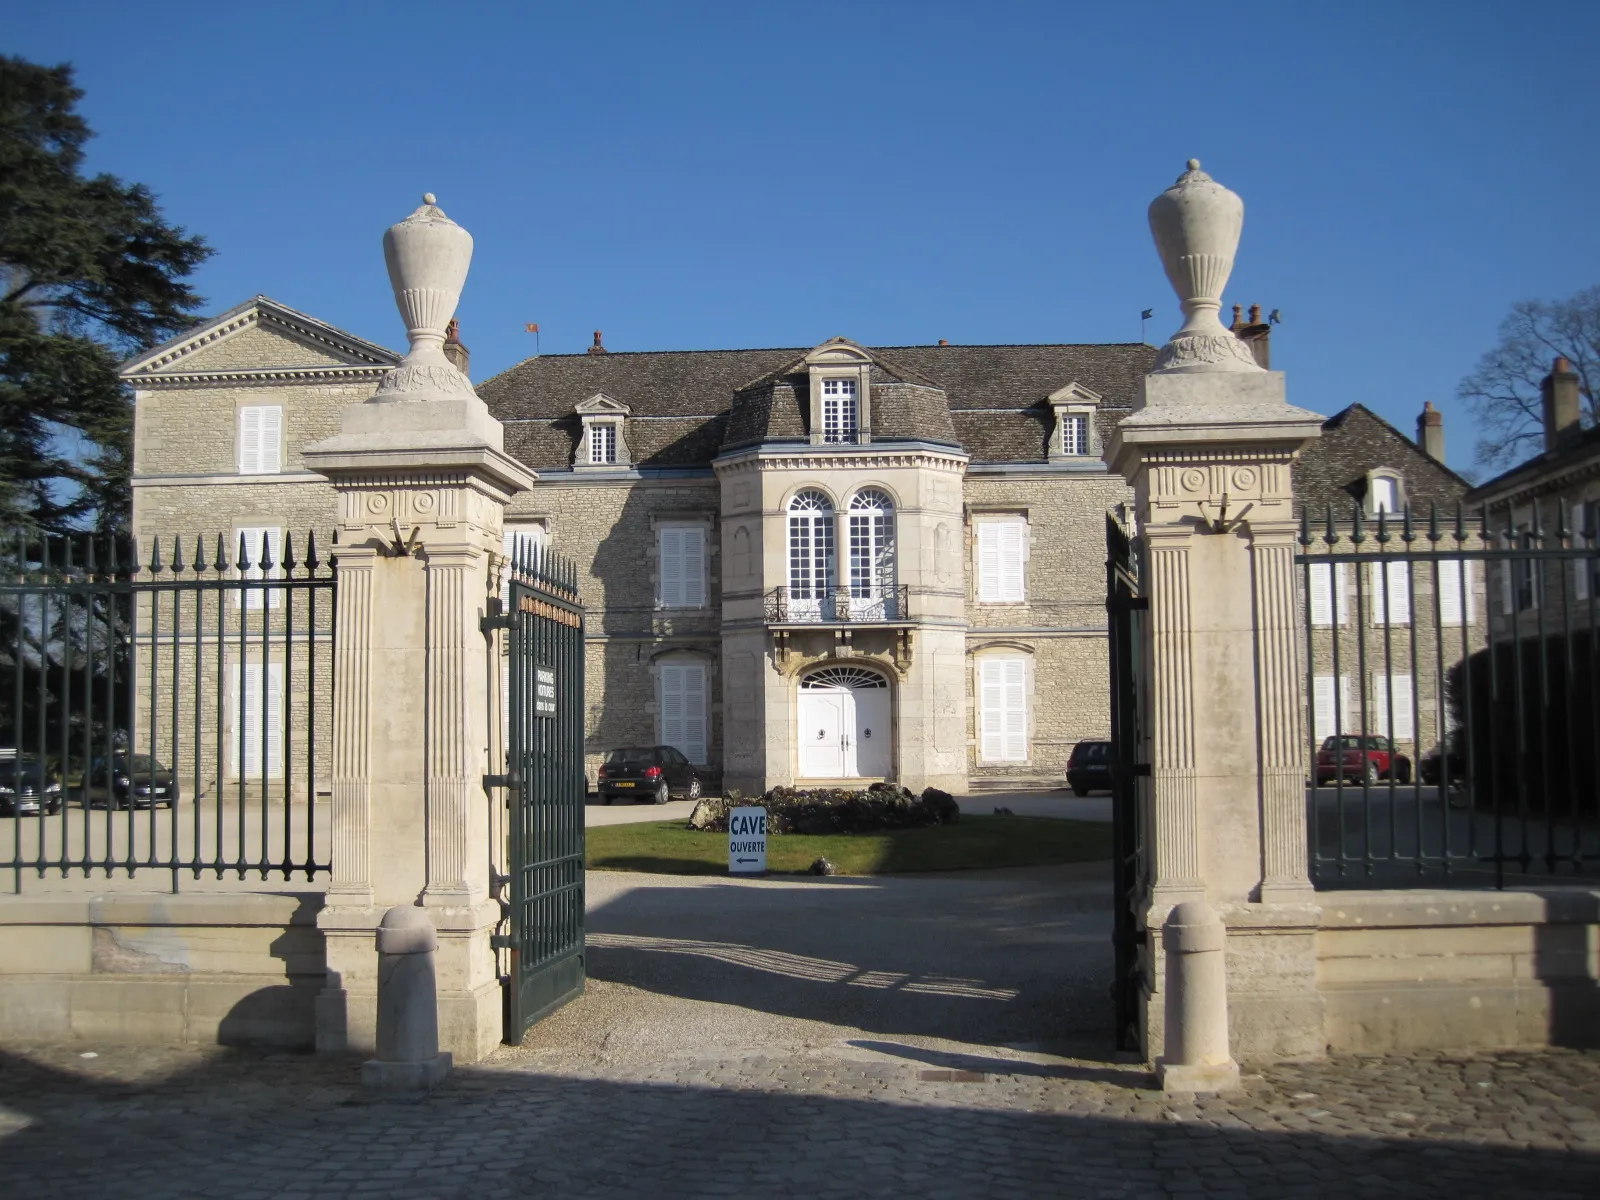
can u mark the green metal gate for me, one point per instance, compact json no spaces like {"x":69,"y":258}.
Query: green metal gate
{"x":545,"y":787}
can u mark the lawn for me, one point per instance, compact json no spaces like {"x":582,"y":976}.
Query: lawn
{"x":671,"y":848}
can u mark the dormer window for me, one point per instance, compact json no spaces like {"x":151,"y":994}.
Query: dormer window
{"x":840,"y":410}
{"x":1385,"y":491}
{"x":603,"y":443}
{"x":1074,"y":437}
{"x":841,"y":393}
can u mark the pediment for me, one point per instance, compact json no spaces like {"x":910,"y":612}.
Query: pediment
{"x":1075,"y":393}
{"x":260,"y":339}
{"x":837,"y":352}
{"x":600,"y":403}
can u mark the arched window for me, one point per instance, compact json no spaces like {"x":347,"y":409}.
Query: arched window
{"x":811,"y":556}
{"x":872,"y":567}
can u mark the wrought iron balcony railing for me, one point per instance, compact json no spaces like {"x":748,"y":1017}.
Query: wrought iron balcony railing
{"x":836,"y":606}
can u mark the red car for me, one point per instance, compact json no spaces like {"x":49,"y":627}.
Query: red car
{"x":1361,"y":760}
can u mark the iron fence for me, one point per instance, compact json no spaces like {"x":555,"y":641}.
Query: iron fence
{"x":1451,"y":683}
{"x":170,"y":713}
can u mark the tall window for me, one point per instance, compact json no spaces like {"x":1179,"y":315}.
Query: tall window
{"x":257,"y":701}
{"x":1391,"y":592}
{"x":1328,"y":597}
{"x":602,"y":442}
{"x":1455,"y":591}
{"x":810,"y":552}
{"x":681,"y":566}
{"x":257,"y":547}
{"x":1383,"y":494}
{"x":260,"y":439}
{"x":1074,"y":433}
{"x":839,"y":410}
{"x":1003,"y":708}
{"x":1002,"y":553}
{"x":872,"y":567}
{"x":683,"y":708}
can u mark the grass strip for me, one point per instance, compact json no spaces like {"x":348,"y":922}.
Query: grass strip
{"x":671,"y":848}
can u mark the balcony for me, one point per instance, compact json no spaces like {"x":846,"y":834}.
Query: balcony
{"x":838,"y":606}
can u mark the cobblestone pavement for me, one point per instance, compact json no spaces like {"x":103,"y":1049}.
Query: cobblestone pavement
{"x":885,"y":1120}
{"x":937,"y":1037}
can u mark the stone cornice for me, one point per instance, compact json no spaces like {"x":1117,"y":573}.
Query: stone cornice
{"x":281,"y":376}
{"x":869,"y":457}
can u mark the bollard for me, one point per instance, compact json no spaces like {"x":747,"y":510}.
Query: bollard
{"x":1196,"y":1057}
{"x":408,"y":1011}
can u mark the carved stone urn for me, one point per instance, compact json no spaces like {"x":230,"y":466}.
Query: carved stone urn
{"x":427,"y":255}
{"x":1196,"y":224}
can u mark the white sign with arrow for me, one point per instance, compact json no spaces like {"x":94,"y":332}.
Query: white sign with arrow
{"x":747,"y":841}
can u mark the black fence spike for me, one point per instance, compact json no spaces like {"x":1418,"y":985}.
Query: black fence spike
{"x":1563,"y":531}
{"x":220,"y":563}
{"x":1536,"y":528}
{"x":133,"y":557}
{"x":265,"y":562}
{"x":288,"y":564}
{"x":89,"y":563}
{"x":311,"y":551}
{"x":1331,"y":533}
{"x":177,"y":554}
{"x":241,"y":558}
{"x":1358,"y":525}
{"x":199,"y":553}
{"x":1461,"y":522}
{"x":1408,"y":529}
{"x":1433,"y":523}
{"x":155,"y":554}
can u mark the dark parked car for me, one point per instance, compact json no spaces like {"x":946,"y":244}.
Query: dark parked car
{"x":655,"y":773}
{"x":136,"y":780}
{"x":1449,"y":759}
{"x":25,"y":788}
{"x":1089,"y":767}
{"x":1361,"y":760}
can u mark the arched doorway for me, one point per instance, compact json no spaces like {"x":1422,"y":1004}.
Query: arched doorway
{"x":844,"y":724}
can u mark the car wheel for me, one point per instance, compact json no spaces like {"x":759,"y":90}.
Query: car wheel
{"x":1079,"y":789}
{"x":694,"y":789}
{"x":1371,"y":776}
{"x":1402,"y":770}
{"x":663,"y":792}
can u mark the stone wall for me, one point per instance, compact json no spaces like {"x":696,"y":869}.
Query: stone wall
{"x":150,"y":969}
{"x":1060,"y":628}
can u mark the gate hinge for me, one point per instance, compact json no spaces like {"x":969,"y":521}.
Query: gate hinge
{"x":495,"y":621}
{"x":502,"y":941}
{"x":500,"y":781}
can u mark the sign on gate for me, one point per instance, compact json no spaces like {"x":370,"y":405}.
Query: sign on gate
{"x":747,"y":841}
{"x":544,"y":692}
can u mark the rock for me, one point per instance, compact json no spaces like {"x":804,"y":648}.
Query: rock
{"x":704,"y":815}
{"x":943,"y":804}
{"x":821,"y":867}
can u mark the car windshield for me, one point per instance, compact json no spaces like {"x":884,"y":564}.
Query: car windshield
{"x":632,"y":756}
{"x":1093,"y":751}
{"x":28,"y":770}
{"x":139,"y":764}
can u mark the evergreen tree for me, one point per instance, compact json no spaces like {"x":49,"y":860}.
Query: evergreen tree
{"x":90,"y":273}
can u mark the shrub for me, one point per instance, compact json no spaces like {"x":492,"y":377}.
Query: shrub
{"x":834,"y":810}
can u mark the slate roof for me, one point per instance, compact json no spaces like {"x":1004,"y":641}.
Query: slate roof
{"x":687,"y":405}
{"x":1546,"y":470}
{"x":1333,"y":469}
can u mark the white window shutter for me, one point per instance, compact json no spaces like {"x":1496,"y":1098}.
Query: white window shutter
{"x":671,"y":704}
{"x":249,"y":440}
{"x":1327,"y":590}
{"x":669,"y":565}
{"x":1390,"y":590}
{"x":274,"y":702}
{"x":1581,"y":567}
{"x":1455,"y":591}
{"x":1013,"y":554}
{"x":693,"y":744}
{"x":988,"y":563}
{"x":1324,"y":694}
{"x":694,"y":566}
{"x":271,"y":439}
{"x":1016,"y":682}
{"x":1403,"y":728}
{"x":251,"y":689}
{"x":992,"y":708}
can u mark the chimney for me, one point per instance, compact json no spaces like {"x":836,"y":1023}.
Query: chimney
{"x":460,"y":357}
{"x":943,"y":342}
{"x":1430,"y":431}
{"x":597,"y":348}
{"x":1254,"y":333}
{"x":1563,"y":406}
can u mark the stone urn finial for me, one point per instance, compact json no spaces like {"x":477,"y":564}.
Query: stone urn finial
{"x":1196,"y":224}
{"x":427,"y":255}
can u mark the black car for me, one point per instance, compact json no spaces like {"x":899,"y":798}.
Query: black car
{"x":655,"y":773}
{"x":25,"y":789}
{"x":136,"y":780}
{"x":1089,"y":767}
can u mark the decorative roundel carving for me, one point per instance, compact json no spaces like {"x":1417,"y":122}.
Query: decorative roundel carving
{"x":378,"y":502}
{"x":424,"y":501}
{"x":1244,"y":478}
{"x":1193,"y":479}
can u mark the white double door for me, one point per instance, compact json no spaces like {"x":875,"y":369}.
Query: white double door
{"x":844,"y":733}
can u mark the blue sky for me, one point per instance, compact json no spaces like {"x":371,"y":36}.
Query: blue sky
{"x":694,"y":175}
